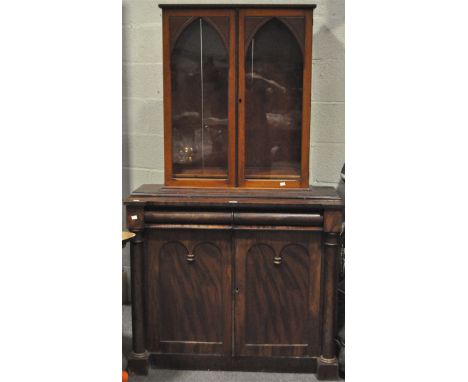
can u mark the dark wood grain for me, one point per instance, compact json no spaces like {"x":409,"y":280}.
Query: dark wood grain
{"x":189,"y":277}
{"x":278,"y":277}
{"x":329,"y":305}
{"x":188,"y":217}
{"x":333,"y":220}
{"x":136,"y":259}
{"x":277,"y":311}
{"x":237,"y":218}
{"x":278,"y":218}
{"x":135,"y":217}
{"x":237,"y":6}
{"x":235,"y":267}
{"x":309,"y":199}
{"x":138,"y":359}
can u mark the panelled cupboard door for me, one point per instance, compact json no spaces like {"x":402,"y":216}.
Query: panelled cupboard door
{"x":199,"y":97}
{"x":278,"y":294}
{"x":274,"y":61}
{"x":189,"y":291}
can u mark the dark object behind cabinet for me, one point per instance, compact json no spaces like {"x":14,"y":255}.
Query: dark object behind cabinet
{"x":234,"y":264}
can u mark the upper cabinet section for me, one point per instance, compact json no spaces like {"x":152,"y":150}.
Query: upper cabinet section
{"x":237,"y":85}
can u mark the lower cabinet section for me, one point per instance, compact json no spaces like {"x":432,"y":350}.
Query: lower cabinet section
{"x":234,"y":279}
{"x":233,"y":293}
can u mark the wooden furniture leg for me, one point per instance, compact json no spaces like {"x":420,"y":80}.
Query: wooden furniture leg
{"x":138,"y":360}
{"x":327,"y":364}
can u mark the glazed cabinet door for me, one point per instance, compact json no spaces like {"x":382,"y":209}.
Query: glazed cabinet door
{"x":189,"y":291}
{"x":278,"y":293}
{"x":199,"y":97}
{"x":274,"y":61}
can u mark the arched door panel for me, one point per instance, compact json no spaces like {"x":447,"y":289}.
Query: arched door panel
{"x":278,"y":300}
{"x":200,"y":117}
{"x":189,"y":285}
{"x":274,"y":89}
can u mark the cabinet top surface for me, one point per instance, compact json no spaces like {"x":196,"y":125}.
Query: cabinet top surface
{"x":270,"y":6}
{"x":156,"y":194}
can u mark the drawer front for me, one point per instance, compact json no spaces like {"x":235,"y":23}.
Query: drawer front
{"x":189,"y":291}
{"x":237,"y":218}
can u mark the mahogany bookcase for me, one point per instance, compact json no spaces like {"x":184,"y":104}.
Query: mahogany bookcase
{"x":234,"y":262}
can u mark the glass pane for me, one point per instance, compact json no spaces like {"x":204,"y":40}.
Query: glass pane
{"x":273,"y":103}
{"x":199,"y":65}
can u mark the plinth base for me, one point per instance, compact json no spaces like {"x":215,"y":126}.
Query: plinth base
{"x":138,"y":363}
{"x":327,"y":369}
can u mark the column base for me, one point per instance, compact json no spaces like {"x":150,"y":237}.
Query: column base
{"x":138,"y":363}
{"x":327,"y":369}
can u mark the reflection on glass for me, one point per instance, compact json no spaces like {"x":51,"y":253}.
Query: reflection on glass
{"x":273,"y":103}
{"x":199,"y":70}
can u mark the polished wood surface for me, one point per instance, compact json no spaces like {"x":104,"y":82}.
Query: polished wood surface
{"x":237,"y":6}
{"x":250,"y":22}
{"x":236,"y":218}
{"x":286,"y":199}
{"x":278,"y":294}
{"x":175,"y":21}
{"x":279,"y":122}
{"x":190,"y":310}
{"x":138,"y":359}
{"x":234,"y":259}
{"x":233,"y":285}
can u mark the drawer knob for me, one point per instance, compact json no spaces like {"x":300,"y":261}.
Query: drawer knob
{"x":191,"y":257}
{"x":277,"y":260}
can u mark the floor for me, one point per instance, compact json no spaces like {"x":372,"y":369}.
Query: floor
{"x":163,"y":375}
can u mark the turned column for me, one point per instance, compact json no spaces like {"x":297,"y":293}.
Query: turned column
{"x":138,"y":358}
{"x":136,"y":263}
{"x":329,"y":303}
{"x":327,"y":364}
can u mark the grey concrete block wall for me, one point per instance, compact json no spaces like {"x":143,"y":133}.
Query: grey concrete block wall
{"x":142,"y":151}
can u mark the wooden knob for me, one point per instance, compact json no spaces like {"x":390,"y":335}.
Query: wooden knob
{"x":190,"y":257}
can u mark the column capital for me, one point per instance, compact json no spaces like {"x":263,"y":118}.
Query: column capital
{"x":331,"y":239}
{"x":139,"y":236}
